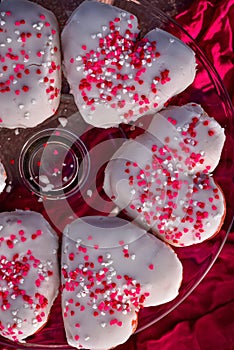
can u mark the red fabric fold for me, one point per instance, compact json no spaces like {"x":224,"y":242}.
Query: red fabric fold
{"x":205,"y":319}
{"x":211,"y":24}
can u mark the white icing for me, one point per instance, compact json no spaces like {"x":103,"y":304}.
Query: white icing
{"x":30,"y":64}
{"x":28,"y":263}
{"x":92,"y":21}
{"x":3,"y":177}
{"x":149,"y":178}
{"x":116,"y":248}
{"x":194,"y":137}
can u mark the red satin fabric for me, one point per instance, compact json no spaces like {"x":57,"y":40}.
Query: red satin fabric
{"x":205,"y":320}
{"x":211,"y":24}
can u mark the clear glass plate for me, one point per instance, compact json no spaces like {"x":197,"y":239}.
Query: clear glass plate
{"x":77,"y":187}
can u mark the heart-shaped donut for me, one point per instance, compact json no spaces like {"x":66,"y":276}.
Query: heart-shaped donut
{"x":116,"y":76}
{"x":30,"y":74}
{"x":29,"y":275}
{"x":161,"y":178}
{"x":110,"y":270}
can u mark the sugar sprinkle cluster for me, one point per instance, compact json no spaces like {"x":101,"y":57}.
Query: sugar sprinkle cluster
{"x":106,"y":281}
{"x":115,"y":74}
{"x":171,"y":190}
{"x":29,"y":64}
{"x":106,"y":69}
{"x":27,"y":280}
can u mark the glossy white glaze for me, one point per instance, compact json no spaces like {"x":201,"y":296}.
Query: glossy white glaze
{"x":30,"y":64}
{"x":195,"y":139}
{"x":164,"y":183}
{"x":110,"y":269}
{"x":114,"y":76}
{"x":29,"y":275}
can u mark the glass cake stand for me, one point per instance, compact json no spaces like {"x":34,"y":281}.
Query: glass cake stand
{"x":69,"y":186}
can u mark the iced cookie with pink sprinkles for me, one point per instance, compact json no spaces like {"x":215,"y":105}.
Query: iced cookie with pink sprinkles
{"x":30,"y":74}
{"x":162,"y":180}
{"x":29,"y":276}
{"x":110,"y":270}
{"x":115,"y":75}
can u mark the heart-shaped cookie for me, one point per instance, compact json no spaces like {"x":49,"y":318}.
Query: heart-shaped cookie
{"x":110,"y":270}
{"x":30,"y":74}
{"x":29,"y":276}
{"x":161,"y":178}
{"x":116,"y":76}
